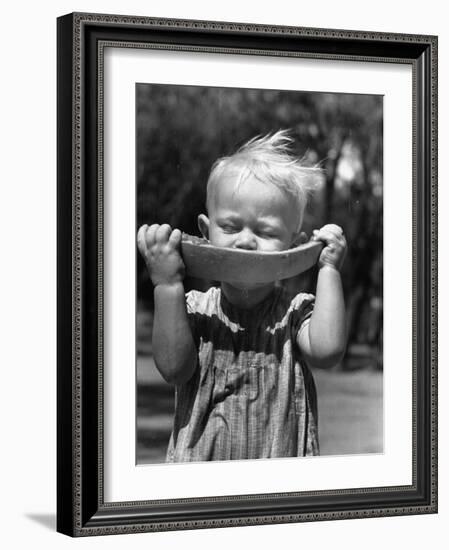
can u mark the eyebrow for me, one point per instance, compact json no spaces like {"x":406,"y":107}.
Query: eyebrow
{"x":269,"y":221}
{"x":264,"y":221}
{"x":228,"y":216}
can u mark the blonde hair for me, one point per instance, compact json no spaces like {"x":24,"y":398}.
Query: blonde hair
{"x":269,"y":159}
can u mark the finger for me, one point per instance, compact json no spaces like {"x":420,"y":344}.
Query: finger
{"x":175,"y":238}
{"x":342,"y":240}
{"x":329,"y":235}
{"x":163,"y":233}
{"x":333,"y":228}
{"x":151,"y":234}
{"x":322,"y":235}
{"x":141,"y":244}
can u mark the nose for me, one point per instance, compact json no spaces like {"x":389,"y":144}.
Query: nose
{"x":246,"y":240}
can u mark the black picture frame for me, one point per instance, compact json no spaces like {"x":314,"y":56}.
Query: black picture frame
{"x":81,"y":510}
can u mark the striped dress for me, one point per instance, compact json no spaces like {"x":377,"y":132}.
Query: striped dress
{"x":252,"y":395}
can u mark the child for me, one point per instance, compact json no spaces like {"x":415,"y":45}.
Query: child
{"x":239,"y":354}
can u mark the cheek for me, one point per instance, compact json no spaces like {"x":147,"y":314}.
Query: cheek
{"x":217,"y":237}
{"x":271,"y":245}
{"x":274,"y":245}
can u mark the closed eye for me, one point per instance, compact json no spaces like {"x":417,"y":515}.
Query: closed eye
{"x":268,"y":234}
{"x":229,"y":228}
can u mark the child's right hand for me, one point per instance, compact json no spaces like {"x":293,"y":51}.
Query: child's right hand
{"x":159,"y":246}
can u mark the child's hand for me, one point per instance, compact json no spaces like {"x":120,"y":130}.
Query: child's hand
{"x":333,"y":254}
{"x":159,"y":246}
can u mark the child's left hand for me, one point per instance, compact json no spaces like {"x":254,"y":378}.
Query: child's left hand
{"x":333,"y":254}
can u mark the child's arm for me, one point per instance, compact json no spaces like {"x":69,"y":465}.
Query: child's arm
{"x":173,"y":345}
{"x":323,"y":340}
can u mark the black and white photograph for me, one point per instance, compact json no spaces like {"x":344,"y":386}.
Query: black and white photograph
{"x":259,"y":302}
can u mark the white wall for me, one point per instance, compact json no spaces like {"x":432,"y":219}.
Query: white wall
{"x":27,"y":233}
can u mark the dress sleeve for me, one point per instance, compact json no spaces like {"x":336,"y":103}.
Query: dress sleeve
{"x":193,"y":306}
{"x":301,"y":310}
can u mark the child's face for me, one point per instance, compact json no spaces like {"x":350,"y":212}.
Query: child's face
{"x":250,"y":215}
